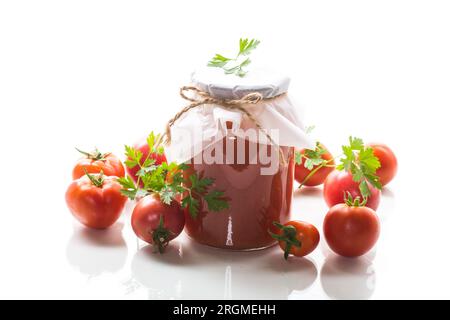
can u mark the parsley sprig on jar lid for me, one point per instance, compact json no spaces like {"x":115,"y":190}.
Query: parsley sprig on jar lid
{"x":237,"y":64}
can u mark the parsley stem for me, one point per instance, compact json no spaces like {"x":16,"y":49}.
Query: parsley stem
{"x":313,"y":172}
{"x":189,"y":190}
{"x":141,"y":167}
{"x":323,"y":164}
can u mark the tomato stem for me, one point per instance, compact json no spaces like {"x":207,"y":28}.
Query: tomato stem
{"x":354,"y":202}
{"x":94,"y":155}
{"x":161,"y":235}
{"x":96,"y":181}
{"x":288,"y":234}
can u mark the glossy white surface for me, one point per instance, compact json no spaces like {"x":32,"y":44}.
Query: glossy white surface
{"x":103,"y":73}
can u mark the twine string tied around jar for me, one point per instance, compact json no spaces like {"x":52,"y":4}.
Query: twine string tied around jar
{"x":203,"y":98}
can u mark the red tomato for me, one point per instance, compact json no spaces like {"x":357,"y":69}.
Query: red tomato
{"x":297,"y":238}
{"x":142,"y":146}
{"x":95,"y":205}
{"x":338,"y":183}
{"x":96,"y":162}
{"x":388,"y":161}
{"x":351,"y":231}
{"x":319,"y":177}
{"x":156,"y":222}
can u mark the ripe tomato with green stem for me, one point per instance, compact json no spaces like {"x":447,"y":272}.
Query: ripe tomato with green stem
{"x":157,"y":223}
{"x":357,"y":175}
{"x":95,"y":200}
{"x":96,"y":162}
{"x":388,"y":162}
{"x":339,"y":183}
{"x":296,"y":237}
{"x":351,"y":229}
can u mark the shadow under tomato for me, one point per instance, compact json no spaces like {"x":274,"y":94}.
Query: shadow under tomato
{"x":308,"y":192}
{"x":328,"y":253}
{"x":347,"y":278}
{"x":94,"y":252}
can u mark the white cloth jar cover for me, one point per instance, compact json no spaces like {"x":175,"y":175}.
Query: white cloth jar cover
{"x":206,"y":124}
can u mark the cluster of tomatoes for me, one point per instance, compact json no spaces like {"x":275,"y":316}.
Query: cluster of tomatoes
{"x":351,"y":227}
{"x":96,"y":199}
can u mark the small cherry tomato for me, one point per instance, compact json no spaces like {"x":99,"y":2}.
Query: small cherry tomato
{"x":339,"y":183}
{"x":95,"y":200}
{"x":157,"y":223}
{"x":351,"y":229}
{"x":96,"y":162}
{"x":388,"y":162}
{"x":301,"y":172}
{"x":296,"y":237}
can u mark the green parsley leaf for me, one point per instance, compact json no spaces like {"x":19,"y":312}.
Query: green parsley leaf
{"x":298,"y":158}
{"x":199,"y":185}
{"x":364,"y":189}
{"x":148,"y":162}
{"x":235,"y":66}
{"x":126,"y":182}
{"x":155,"y":180}
{"x":154,"y":143}
{"x":183,"y":166}
{"x":167,"y":195}
{"x":133,"y":155}
{"x":129,"y":189}
{"x":361,"y":162}
{"x":218,"y":61}
{"x":246,"y":46}
{"x":314,"y":157}
{"x":356,"y":143}
{"x":177,"y":182}
{"x":145,"y":170}
{"x":192,"y":204}
{"x":311,"y":162}
{"x":215,"y":200}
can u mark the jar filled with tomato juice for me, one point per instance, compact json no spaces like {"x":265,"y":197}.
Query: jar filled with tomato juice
{"x":247,"y":150}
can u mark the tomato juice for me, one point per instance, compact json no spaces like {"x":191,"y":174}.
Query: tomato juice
{"x":256,"y":200}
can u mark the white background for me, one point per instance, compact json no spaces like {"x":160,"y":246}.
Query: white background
{"x":104,"y":73}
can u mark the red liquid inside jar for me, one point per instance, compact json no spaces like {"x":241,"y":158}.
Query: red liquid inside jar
{"x":255,"y":200}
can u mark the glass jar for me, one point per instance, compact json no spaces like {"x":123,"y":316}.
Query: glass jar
{"x":255,"y":202}
{"x":256,"y":195}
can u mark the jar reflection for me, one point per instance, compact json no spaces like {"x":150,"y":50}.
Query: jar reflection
{"x":193,"y":271}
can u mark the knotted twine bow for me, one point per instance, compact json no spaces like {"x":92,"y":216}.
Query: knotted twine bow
{"x":229,"y":104}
